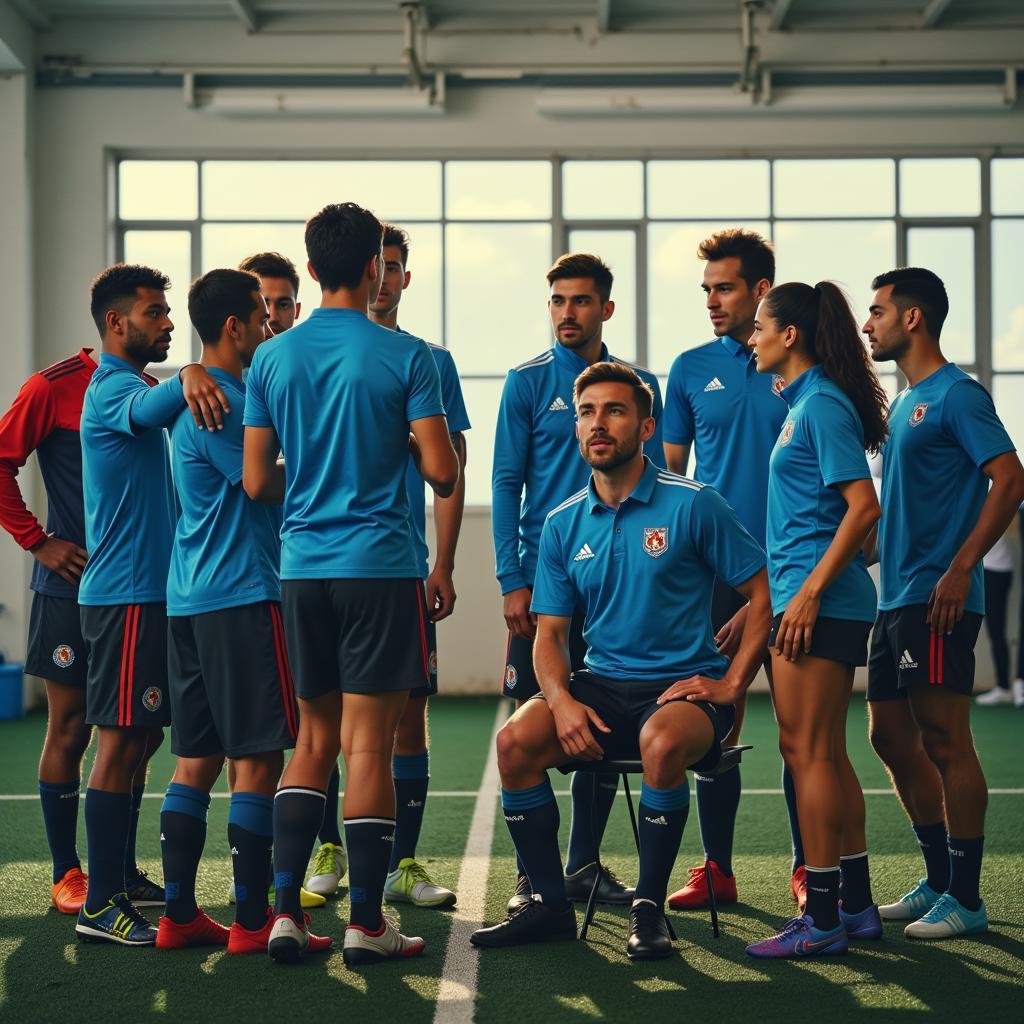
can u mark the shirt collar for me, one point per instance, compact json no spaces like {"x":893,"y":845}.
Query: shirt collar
{"x":793,"y":392}
{"x":568,"y":358}
{"x":643,"y":491}
{"x":332,"y":311}
{"x":734,"y":347}
{"x":116,"y":362}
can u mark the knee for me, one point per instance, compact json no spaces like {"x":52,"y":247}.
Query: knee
{"x":68,"y":734}
{"x":665,"y":758}
{"x":941,"y":747}
{"x":514,"y":754}
{"x":885,"y":744}
{"x":411,"y":735}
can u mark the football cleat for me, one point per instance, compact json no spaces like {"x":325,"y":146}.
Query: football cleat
{"x":532,"y":922}
{"x":307,"y":900}
{"x":865,"y":925}
{"x":694,"y":894}
{"x":798,"y":887}
{"x":144,"y":892}
{"x":119,"y":921}
{"x":69,"y":892}
{"x":609,"y":888}
{"x":648,"y":932}
{"x":288,"y":941}
{"x":243,"y":940}
{"x":410,"y":883}
{"x":947,"y":919}
{"x":800,"y":938}
{"x":522,"y":895}
{"x":912,"y":905}
{"x":202,"y":930}
{"x":363,"y":947}
{"x":329,"y":867}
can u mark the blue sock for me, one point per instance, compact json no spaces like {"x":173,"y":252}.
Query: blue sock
{"x":934,"y":849}
{"x":532,"y":819}
{"x":251,"y":837}
{"x":718,"y":799}
{"x":369,"y":842}
{"x":131,"y":866}
{"x":106,"y":829}
{"x":298,"y":812}
{"x":590,"y":812}
{"x":59,"y":802}
{"x":182,"y":837}
{"x":789,"y":791}
{"x":411,"y":773}
{"x":965,"y":870}
{"x":330,"y":831}
{"x":661,"y":818}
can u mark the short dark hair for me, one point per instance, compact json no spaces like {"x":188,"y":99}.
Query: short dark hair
{"x":398,"y":237}
{"x":754,"y":251}
{"x":583,"y":264}
{"x":915,"y":286}
{"x":616,"y":373}
{"x":220,"y":294}
{"x":340,"y":240}
{"x":272,"y":264}
{"x":115,"y":289}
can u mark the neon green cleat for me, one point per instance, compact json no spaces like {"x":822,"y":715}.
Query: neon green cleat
{"x":328,"y":869}
{"x":307,"y":900}
{"x":410,"y":883}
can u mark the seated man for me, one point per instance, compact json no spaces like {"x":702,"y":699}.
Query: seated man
{"x":639,"y":550}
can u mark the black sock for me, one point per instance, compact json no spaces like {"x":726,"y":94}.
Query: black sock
{"x":59,"y":802}
{"x":298,"y":812}
{"x":182,"y":837}
{"x":823,"y":897}
{"x":251,"y":836}
{"x":932,"y":840}
{"x":106,"y":828}
{"x":590,"y":810}
{"x":661,"y":818}
{"x":718,"y":799}
{"x":369,"y":842}
{"x":532,"y":819}
{"x":131,"y":866}
{"x":412,"y":779}
{"x":330,"y":831}
{"x":965,"y":870}
{"x":855,"y":883}
{"x":789,"y":791}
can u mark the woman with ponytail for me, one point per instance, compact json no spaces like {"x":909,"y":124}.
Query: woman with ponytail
{"x":821,"y":508}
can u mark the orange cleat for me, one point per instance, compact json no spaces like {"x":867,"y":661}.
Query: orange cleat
{"x":798,"y":886}
{"x":69,"y":893}
{"x":200,"y":931}
{"x":694,"y":894}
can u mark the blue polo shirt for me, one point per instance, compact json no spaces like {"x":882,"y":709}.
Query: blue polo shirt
{"x":226,"y":548}
{"x":941,"y":431}
{"x":340,"y":392}
{"x":130,"y":507}
{"x":716,"y":400}
{"x":644,"y":573}
{"x":821,"y":444}
{"x":537,"y":461}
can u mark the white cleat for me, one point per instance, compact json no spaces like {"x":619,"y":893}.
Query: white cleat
{"x":329,"y":867}
{"x":1018,"y":693}
{"x":997,"y":695}
{"x":289,"y":941}
{"x":947,"y":919}
{"x":363,"y":947}
{"x":410,"y":883}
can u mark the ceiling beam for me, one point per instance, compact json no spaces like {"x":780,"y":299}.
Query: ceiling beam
{"x":246,"y":14}
{"x":604,"y":15}
{"x":933,"y":12}
{"x":33,"y":14}
{"x":777,"y":19}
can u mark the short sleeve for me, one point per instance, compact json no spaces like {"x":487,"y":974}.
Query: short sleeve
{"x":837,"y":436}
{"x":423,"y":396}
{"x":112,"y":399}
{"x":722,"y":540}
{"x":256,"y":412}
{"x":553,"y":591}
{"x":678,"y":419}
{"x":969,"y":416}
{"x":451,"y":393}
{"x":224,"y":447}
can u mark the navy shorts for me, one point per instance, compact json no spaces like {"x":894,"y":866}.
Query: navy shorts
{"x":520,"y":681}
{"x":430,"y":690}
{"x":56,"y":650}
{"x":842,"y":640}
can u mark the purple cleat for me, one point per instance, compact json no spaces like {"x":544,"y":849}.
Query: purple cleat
{"x":799,"y":938}
{"x":865,"y":925}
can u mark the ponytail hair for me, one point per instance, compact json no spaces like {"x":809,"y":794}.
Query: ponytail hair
{"x":828,"y":331}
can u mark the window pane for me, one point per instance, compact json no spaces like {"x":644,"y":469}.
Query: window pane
{"x":835,"y":188}
{"x":1008,"y":186}
{"x":618,"y":250}
{"x":1008,"y":394}
{"x":932,"y":188}
{"x":495,"y":190}
{"x":1007,"y":297}
{"x":170,"y":252}
{"x":296,"y":189}
{"x":158,"y":190}
{"x":482,"y":400}
{"x":485,"y":335}
{"x":420,"y":311}
{"x":707,"y":188}
{"x":677,"y":317}
{"x":603,"y":189}
{"x":949,"y":252}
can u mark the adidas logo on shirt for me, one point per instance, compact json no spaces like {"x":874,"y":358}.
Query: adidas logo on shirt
{"x":906,"y":661}
{"x":659,"y":820}
{"x":558,"y":405}
{"x":714,"y":385}
{"x":583,"y":554}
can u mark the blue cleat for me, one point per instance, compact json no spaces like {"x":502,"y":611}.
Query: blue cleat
{"x":912,"y":905}
{"x":800,"y":938}
{"x":948,"y":919}
{"x":118,"y":922}
{"x":865,"y":925}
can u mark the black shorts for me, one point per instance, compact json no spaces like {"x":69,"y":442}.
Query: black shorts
{"x":231,"y":687}
{"x":905,"y":652}
{"x":56,"y":650}
{"x":842,"y":640}
{"x":126,"y":647}
{"x":430,"y":690}
{"x":520,"y":681}
{"x":625,"y":706}
{"x":356,"y":636}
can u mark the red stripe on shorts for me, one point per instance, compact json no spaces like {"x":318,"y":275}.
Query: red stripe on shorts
{"x":287,"y":694}
{"x":133,"y":643}
{"x":942,"y":655}
{"x":124,"y":665}
{"x":423,"y":631}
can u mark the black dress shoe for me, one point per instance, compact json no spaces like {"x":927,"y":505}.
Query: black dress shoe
{"x":533,"y":922}
{"x":522,"y":895}
{"x":609,"y":888}
{"x":648,"y":933}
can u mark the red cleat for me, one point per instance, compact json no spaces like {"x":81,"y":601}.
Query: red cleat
{"x":69,"y":893}
{"x":244,"y":940}
{"x":694,"y":894}
{"x":798,"y":886}
{"x":200,"y":931}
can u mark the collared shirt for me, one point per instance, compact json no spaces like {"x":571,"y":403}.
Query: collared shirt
{"x":643,"y":574}
{"x":941,"y":431}
{"x":716,"y":399}
{"x":821,"y":444}
{"x":226,"y":547}
{"x":537,"y":461}
{"x":340,"y":392}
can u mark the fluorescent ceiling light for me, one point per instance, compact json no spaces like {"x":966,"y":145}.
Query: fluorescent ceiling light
{"x":320,"y":102}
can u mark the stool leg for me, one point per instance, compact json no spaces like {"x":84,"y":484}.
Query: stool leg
{"x":711,"y":898}
{"x":632,"y":812}
{"x":592,"y":898}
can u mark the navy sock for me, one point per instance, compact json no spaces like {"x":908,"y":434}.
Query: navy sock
{"x":532,"y":819}
{"x":59,"y":801}
{"x":106,"y":829}
{"x":330,"y":831}
{"x":251,"y":835}
{"x":932,"y":840}
{"x":369,"y":842}
{"x":965,"y":870}
{"x":520,"y":869}
{"x":131,"y":866}
{"x":855,"y":883}
{"x":590,"y":812}
{"x":789,"y":791}
{"x":411,"y":773}
{"x":661,"y":818}
{"x":718,"y":799}
{"x":182,"y":837}
{"x":298,"y":812}
{"x":823,"y":897}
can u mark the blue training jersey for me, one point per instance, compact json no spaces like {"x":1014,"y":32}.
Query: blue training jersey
{"x":340,"y":392}
{"x":537,"y":461}
{"x":226,"y":547}
{"x":941,"y":431}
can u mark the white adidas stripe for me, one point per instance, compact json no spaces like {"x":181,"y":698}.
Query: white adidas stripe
{"x":574,"y":500}
{"x":538,"y":361}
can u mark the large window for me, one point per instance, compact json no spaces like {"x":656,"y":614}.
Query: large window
{"x":483,"y":232}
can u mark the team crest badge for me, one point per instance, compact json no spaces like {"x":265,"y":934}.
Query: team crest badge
{"x":787,"y":433}
{"x":63,"y":656}
{"x":152,"y":698}
{"x":432,"y":663}
{"x":511,"y":677}
{"x":655,"y":540}
{"x":918,"y":414}
{"x":777,"y":384}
